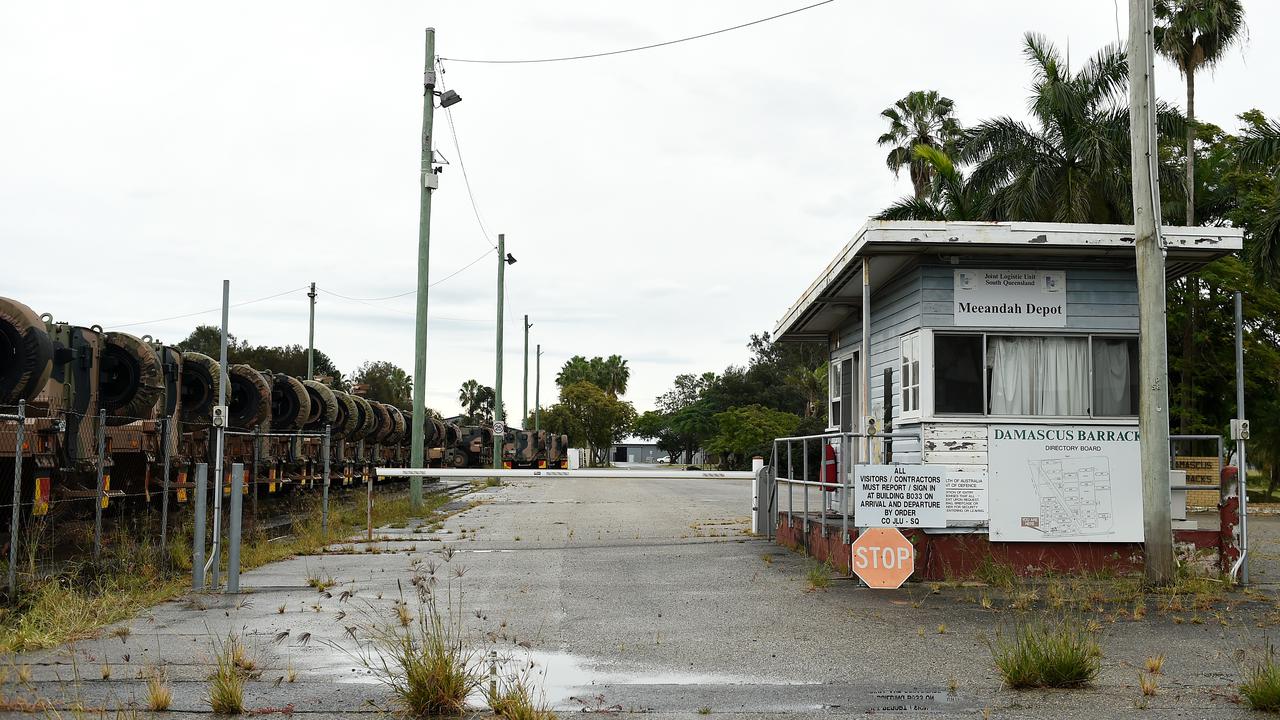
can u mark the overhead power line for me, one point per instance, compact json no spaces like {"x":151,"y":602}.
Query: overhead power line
{"x":210,"y":310}
{"x":641,"y":47}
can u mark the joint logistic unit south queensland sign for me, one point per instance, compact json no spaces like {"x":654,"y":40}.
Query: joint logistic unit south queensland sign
{"x":1065,"y":483}
{"x":1010,"y":298}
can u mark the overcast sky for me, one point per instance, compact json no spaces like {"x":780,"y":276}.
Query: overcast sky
{"x":663,"y":205}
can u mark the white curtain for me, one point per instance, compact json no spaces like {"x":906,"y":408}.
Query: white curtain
{"x":1112,"y":394}
{"x":1039,"y":375}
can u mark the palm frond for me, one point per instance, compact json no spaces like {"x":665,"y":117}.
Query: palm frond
{"x":912,"y":208}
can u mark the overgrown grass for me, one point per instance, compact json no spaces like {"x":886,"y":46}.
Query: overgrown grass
{"x":1261,"y":688}
{"x":80,"y":600}
{"x":1039,"y":655}
{"x":818,"y":576}
{"x":515,"y":699}
{"x":226,"y":684}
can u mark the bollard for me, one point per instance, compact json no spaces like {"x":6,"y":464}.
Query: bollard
{"x":197,"y":539}
{"x":164,"y":500}
{"x":757,"y":465}
{"x":102,"y":462}
{"x":233,"y":550}
{"x":17,"y":500}
{"x":324,"y":483}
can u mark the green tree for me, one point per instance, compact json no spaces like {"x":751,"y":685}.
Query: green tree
{"x":951,"y":196}
{"x":597,"y":418}
{"x":746,"y":431}
{"x":1258,"y":191}
{"x":386,"y":383}
{"x":609,"y":374}
{"x":286,"y":359}
{"x":1072,"y":163}
{"x":477,"y":403}
{"x":1193,"y":35}
{"x":923,"y":117}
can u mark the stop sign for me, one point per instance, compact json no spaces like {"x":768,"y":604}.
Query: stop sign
{"x":883,"y":558}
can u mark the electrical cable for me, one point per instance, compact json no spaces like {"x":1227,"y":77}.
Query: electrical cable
{"x":210,"y":310}
{"x":641,"y":47}
{"x":462,"y":165}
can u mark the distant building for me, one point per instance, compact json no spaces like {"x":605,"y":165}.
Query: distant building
{"x":638,"y":450}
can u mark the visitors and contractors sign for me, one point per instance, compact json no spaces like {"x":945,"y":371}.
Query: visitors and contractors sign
{"x":1075,"y":483}
{"x":899,"y":496}
{"x":1011,"y":298}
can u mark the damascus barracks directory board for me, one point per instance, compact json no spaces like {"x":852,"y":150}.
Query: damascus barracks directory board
{"x":1068,"y":483}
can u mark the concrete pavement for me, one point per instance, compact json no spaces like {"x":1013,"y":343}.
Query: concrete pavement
{"x":649,"y":595}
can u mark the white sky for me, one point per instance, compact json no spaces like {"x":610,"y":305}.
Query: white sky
{"x":663,"y":205}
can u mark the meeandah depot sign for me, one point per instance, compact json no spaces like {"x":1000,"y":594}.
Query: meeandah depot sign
{"x":1011,"y":298}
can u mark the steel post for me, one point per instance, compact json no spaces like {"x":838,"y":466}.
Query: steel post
{"x":233,"y":547}
{"x":324,"y":484}
{"x":197,"y":534}
{"x":16,"y":518}
{"x":253,"y":472}
{"x":1242,"y":466}
{"x":102,"y":466}
{"x":215,"y":556}
{"x":166,"y":435}
{"x":498,"y":414}
{"x":311,"y":335}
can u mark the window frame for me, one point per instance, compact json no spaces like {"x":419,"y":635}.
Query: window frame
{"x":834,"y":392}
{"x":913,"y":338}
{"x":986,"y":414}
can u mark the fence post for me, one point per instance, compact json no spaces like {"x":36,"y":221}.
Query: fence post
{"x":197,"y":539}
{"x":324,"y":484}
{"x":237,"y":506}
{"x":17,"y":500}
{"x":102,"y":461}
{"x":368,"y":510}
{"x":253,"y":474}
{"x":165,"y":433}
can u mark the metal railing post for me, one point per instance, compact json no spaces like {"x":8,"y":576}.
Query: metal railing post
{"x":237,"y":506}
{"x":102,"y":462}
{"x":17,"y":500}
{"x":791,"y":494}
{"x":165,"y":436}
{"x":197,"y":534}
{"x":804,"y":488}
{"x":844,"y":491}
{"x":253,"y":473}
{"x":324,"y":484}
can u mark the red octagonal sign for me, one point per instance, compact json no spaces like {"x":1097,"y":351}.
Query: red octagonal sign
{"x":883,"y":558}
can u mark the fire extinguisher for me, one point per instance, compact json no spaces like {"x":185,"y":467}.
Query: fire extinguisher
{"x":829,"y":464}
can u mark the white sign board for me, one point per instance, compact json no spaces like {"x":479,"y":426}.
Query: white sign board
{"x":1010,"y":298}
{"x":899,"y":496}
{"x":967,"y":496}
{"x":499,"y":427}
{"x":1067,"y":483}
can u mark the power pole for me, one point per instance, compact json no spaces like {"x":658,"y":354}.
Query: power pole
{"x":311,"y":336}
{"x":497,"y":383}
{"x":1153,"y":409}
{"x":524,"y":411}
{"x":537,"y":388}
{"x":426,"y":183}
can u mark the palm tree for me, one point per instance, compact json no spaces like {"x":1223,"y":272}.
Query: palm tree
{"x":951,"y":195}
{"x":576,"y":369}
{"x":1195,"y":34}
{"x":1260,"y":145}
{"x":615,"y":374}
{"x":470,"y":396}
{"x":1072,"y":164}
{"x":922,"y":117}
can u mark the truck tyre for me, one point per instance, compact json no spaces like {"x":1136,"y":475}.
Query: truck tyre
{"x":26,"y":353}
{"x":381,"y":421}
{"x":290,"y":403}
{"x":324,"y":406}
{"x":348,"y":419}
{"x":398,"y":424}
{"x":130,"y":378}
{"x":249,"y":399}
{"x":200,"y":376}
{"x":365,"y":421}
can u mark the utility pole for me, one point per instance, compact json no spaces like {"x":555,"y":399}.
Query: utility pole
{"x":524,"y":411}
{"x":497,"y":383}
{"x":427,"y":182}
{"x":537,"y":388}
{"x":311,"y":336}
{"x":1242,"y":467}
{"x":1153,"y":408}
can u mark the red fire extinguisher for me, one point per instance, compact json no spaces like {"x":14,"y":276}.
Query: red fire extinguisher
{"x":829,"y":479}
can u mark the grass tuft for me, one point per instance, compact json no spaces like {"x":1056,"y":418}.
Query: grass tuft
{"x":226,"y":684}
{"x":1155,"y":664}
{"x":159,"y":696}
{"x":1148,"y":684}
{"x":1261,"y":688}
{"x":818,"y":577}
{"x":1057,"y":656}
{"x":515,"y":700}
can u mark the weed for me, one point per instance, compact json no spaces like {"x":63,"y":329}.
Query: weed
{"x":1139,"y":611}
{"x":320,"y":582}
{"x":995,"y":574}
{"x":985,"y":602}
{"x":952,"y":684}
{"x":1059,"y":656}
{"x":121,"y":632}
{"x":55,"y":612}
{"x":920,"y":633}
{"x":1155,"y":664}
{"x":704,"y":710}
{"x":514,"y":699}
{"x":24,"y":674}
{"x":818,"y":576}
{"x":767,"y":558}
{"x":290,"y":673}
{"x":942,"y":629}
{"x":280,"y":609}
{"x":226,"y":684}
{"x":159,"y":696}
{"x":1148,"y":684}
{"x":1261,"y":688}
{"x":106,"y":671}
{"x":403,"y":616}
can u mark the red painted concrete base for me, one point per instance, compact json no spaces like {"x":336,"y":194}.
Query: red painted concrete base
{"x":945,"y":557}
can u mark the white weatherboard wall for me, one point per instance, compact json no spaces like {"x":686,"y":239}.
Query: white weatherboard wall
{"x":923,"y":298}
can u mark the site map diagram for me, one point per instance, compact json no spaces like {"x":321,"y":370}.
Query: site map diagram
{"x":1075,"y":496}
